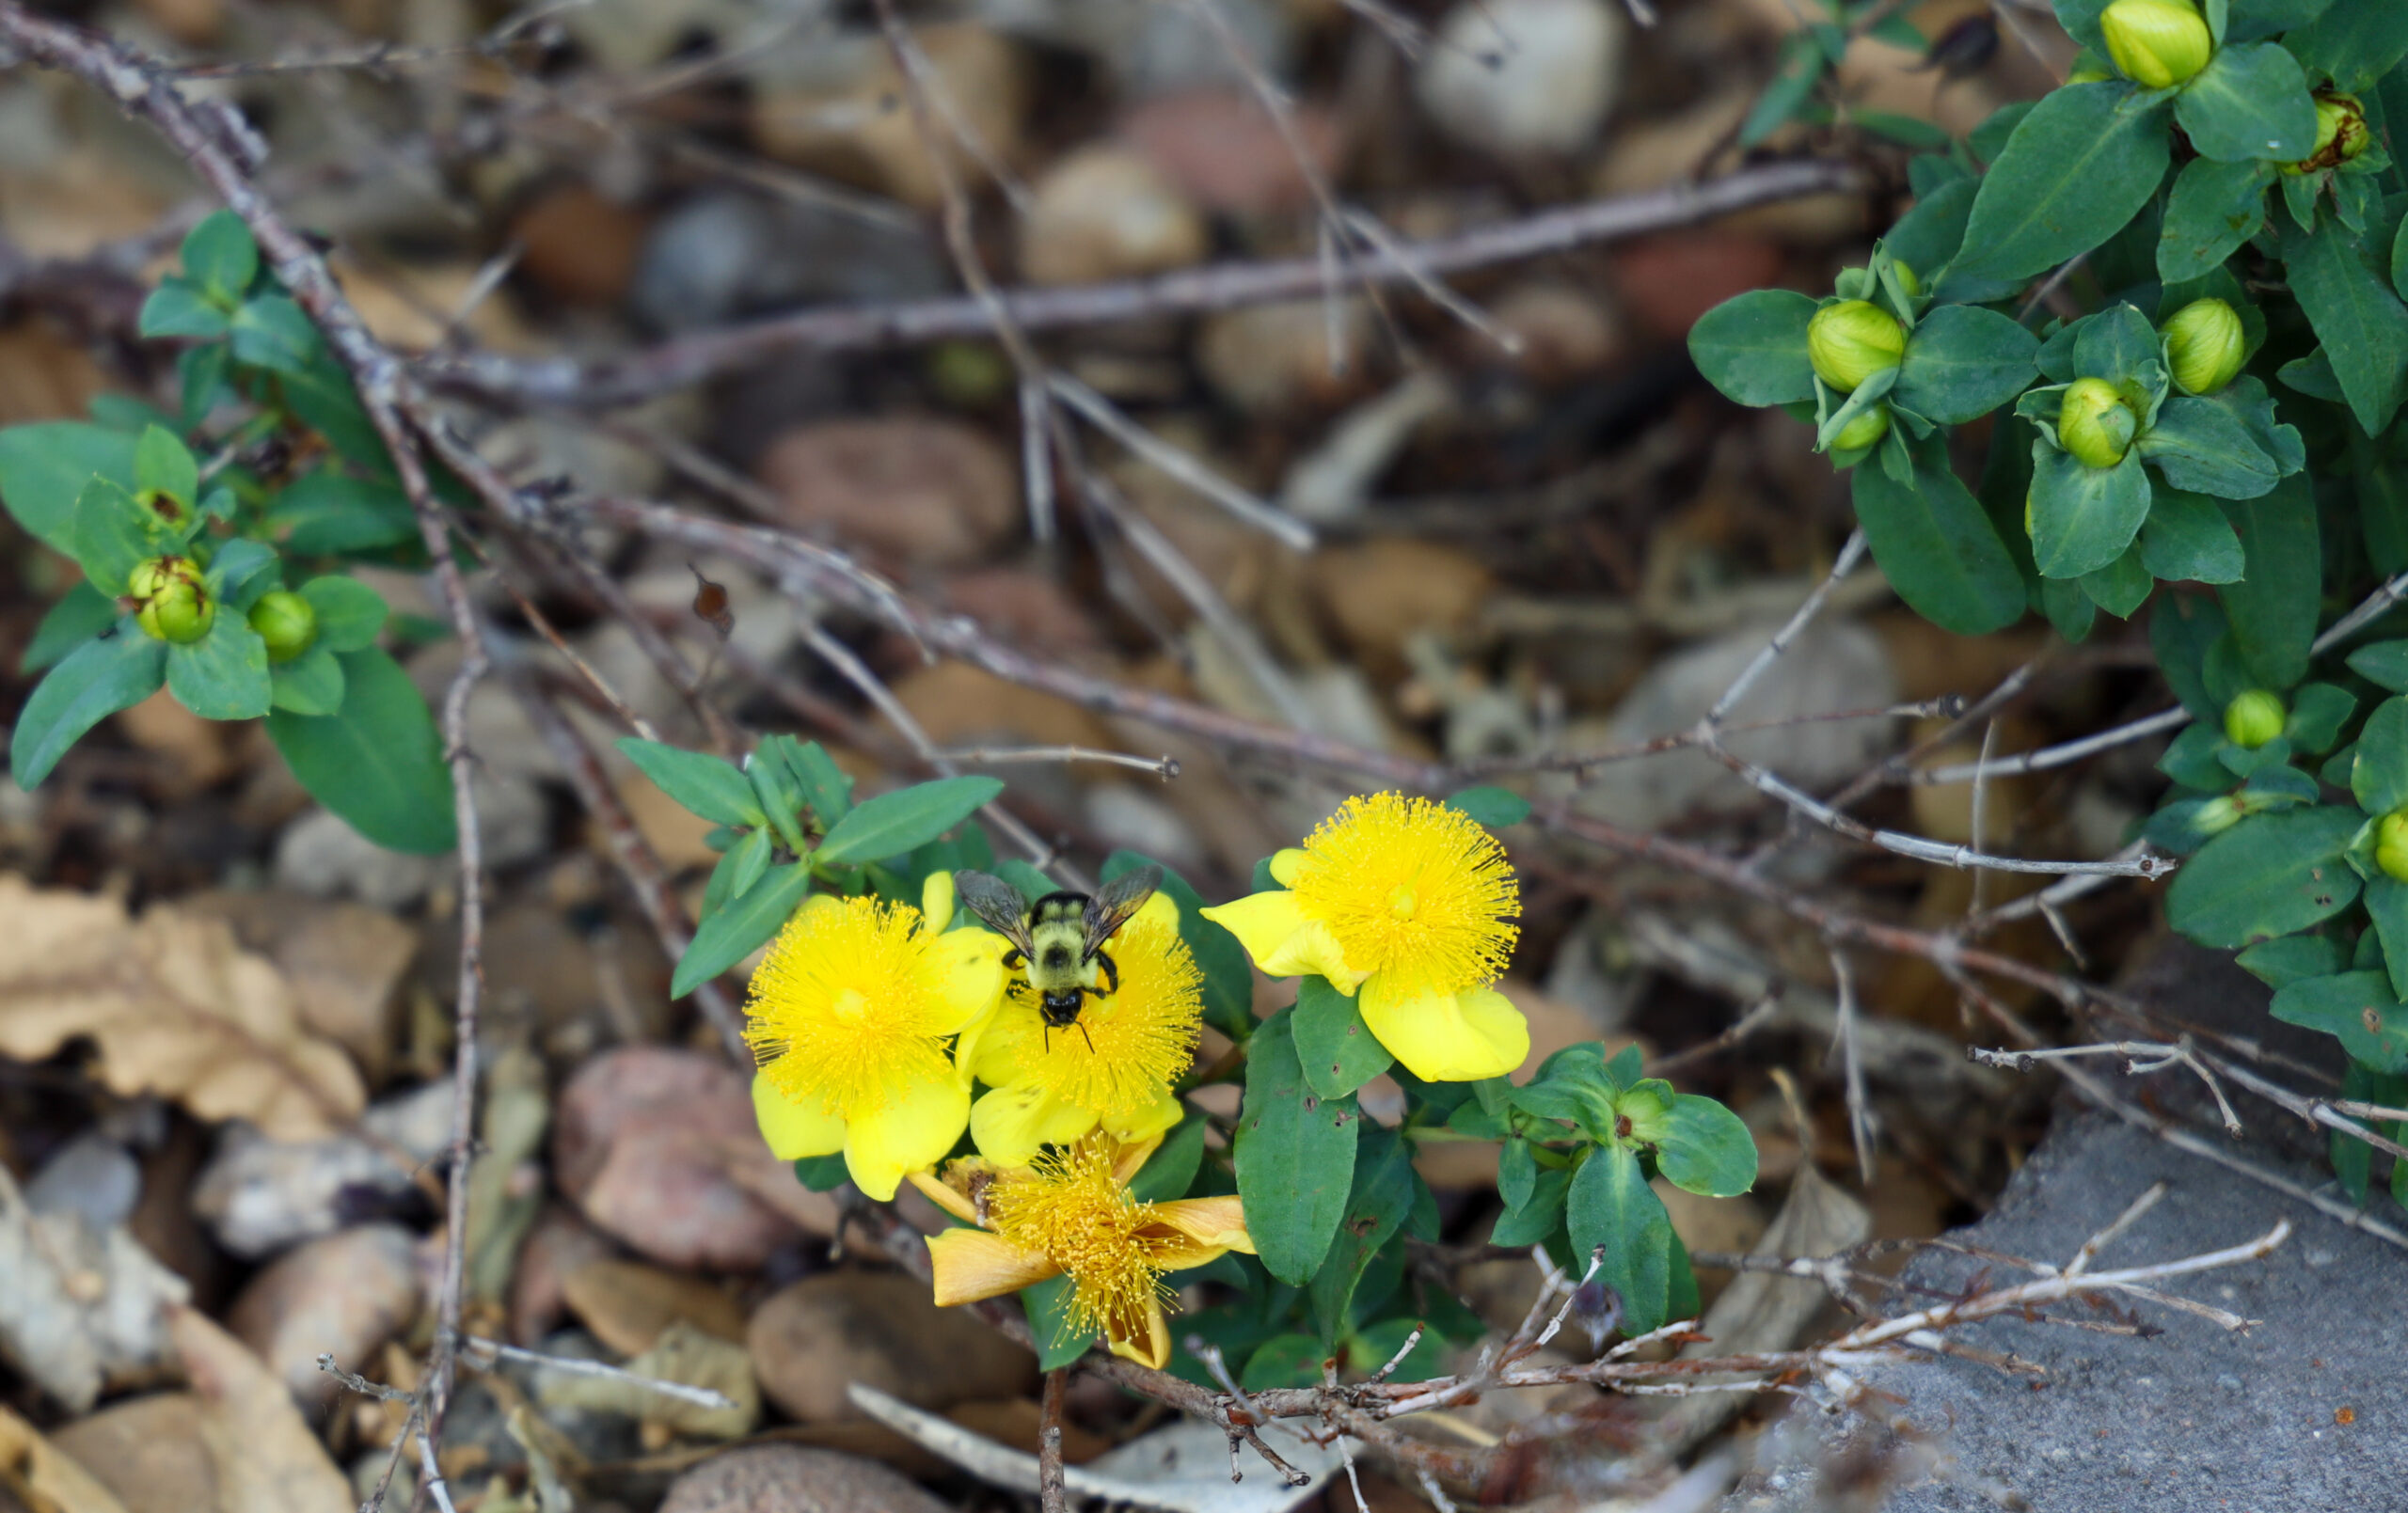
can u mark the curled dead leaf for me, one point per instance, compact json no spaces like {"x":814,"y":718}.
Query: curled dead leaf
{"x":174,"y":1006}
{"x":38,"y":1476}
{"x":266,"y":1457}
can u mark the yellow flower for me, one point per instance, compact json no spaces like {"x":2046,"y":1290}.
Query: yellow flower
{"x":1114,"y":1067}
{"x":1072,"y":1212}
{"x":1412,"y":902}
{"x":850,"y":1013}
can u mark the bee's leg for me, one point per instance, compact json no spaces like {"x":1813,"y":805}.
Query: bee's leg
{"x":1048,"y":1026}
{"x":1013,"y":959}
{"x":1083,"y":1035}
{"x":1111,"y":973}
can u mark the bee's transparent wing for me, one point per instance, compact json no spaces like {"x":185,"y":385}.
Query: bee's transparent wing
{"x":996,"y":902}
{"x":1111,"y":904}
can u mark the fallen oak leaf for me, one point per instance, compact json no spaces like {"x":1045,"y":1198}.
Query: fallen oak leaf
{"x":174,"y":1006}
{"x":39,"y":1475}
{"x":268,"y":1460}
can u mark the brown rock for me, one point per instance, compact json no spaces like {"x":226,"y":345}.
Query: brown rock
{"x":627,"y":1304}
{"x":817,"y":1336}
{"x":1383,"y":591}
{"x":1271,"y":358}
{"x":533,"y":960}
{"x":1667,"y":281}
{"x":847,"y":115}
{"x":1221,"y":150}
{"x":913,"y":492}
{"x":658,"y":1148}
{"x":579,"y":245}
{"x":790,"y":1478}
{"x":345,"y":962}
{"x":1566,"y":332}
{"x":342,"y":1295}
{"x":146,"y":1451}
{"x":1104,"y":212}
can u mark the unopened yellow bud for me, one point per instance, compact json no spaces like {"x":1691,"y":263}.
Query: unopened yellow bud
{"x":1850,"y":341}
{"x":2391,"y":844}
{"x":2254,"y":718}
{"x":2341,"y":134}
{"x":2095,"y":424}
{"x":2157,"y":43}
{"x":2204,"y":345}
{"x":287,"y":622}
{"x":173,"y":604}
{"x":1865,"y":430}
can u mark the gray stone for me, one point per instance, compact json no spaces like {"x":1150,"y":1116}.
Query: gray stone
{"x":723,"y":254}
{"x":91,"y":1175}
{"x":792,"y":1478}
{"x":2187,"y":1416}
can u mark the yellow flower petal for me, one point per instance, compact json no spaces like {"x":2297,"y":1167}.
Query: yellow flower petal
{"x":1009,"y":1124}
{"x":1159,"y":908}
{"x":1145,"y":1339}
{"x":1210,"y":1225}
{"x":1273,"y":928}
{"x":1147,"y":1125}
{"x":1285,"y":863}
{"x":943,"y":1196}
{"x":911,"y":1131}
{"x":935,"y":902}
{"x":794,"y":1130}
{"x":968,"y":968}
{"x":1131,"y":1157}
{"x":971,"y":1264}
{"x":1446,"y":1037}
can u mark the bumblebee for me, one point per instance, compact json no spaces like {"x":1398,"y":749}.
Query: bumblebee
{"x":1060,"y":937}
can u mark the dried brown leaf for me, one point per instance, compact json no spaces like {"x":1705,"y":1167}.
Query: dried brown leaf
{"x":36,"y":1474}
{"x":267,"y":1459}
{"x":175,"y":1007}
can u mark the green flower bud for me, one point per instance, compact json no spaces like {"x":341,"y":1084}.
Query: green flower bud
{"x":2204,"y":345}
{"x":2088,"y":69}
{"x":1850,"y":341}
{"x":286,"y":622}
{"x":174,"y":604}
{"x":2254,"y":718}
{"x":2157,"y":43}
{"x":2391,"y":844}
{"x":2341,"y":134}
{"x":1865,"y":430}
{"x":2217,"y":815}
{"x":2094,"y":423}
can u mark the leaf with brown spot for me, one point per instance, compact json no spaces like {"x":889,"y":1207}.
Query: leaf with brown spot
{"x":175,"y":1008}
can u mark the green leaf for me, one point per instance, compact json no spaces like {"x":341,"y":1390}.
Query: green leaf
{"x":1706,"y":1148}
{"x":699,"y":781}
{"x":2214,"y":208}
{"x":2355,"y":43}
{"x":1613,"y":1213}
{"x":826,"y":787}
{"x":377,"y":762}
{"x":350,"y":613}
{"x":2180,"y":630}
{"x":310,"y":683}
{"x":321,"y":393}
{"x":2280,"y":963}
{"x":93,"y":682}
{"x":201,"y":378}
{"x":2253,"y":19}
{"x":2379,"y":777}
{"x":1800,"y":66}
{"x":114,"y":535}
{"x":240,"y":573}
{"x":741,"y":926}
{"x":2121,"y":587}
{"x":824,"y":1173}
{"x":1048,"y":1302}
{"x":1536,"y":1220}
{"x":1937,"y":548}
{"x":1962,"y":362}
{"x":2083,"y":517}
{"x":2249,"y":103}
{"x":80,"y":614}
{"x":1927,"y":236}
{"x":43,"y":469}
{"x":2359,"y":1008}
{"x":1283,"y":1361}
{"x":1377,"y":1204}
{"x":2273,"y":605}
{"x":1493,"y":807}
{"x":220,"y":256}
{"x":2360,"y":322}
{"x":1517,"y":1173}
{"x":271,"y":332}
{"x":894,"y":823}
{"x":2319,"y":710}
{"x":224,"y":674}
{"x":2119,"y":344}
{"x":178,"y":309}
{"x":1294,"y":1156}
{"x":331,"y":514}
{"x":1337,"y":1048}
{"x":2187,"y":539}
{"x":2386,"y":900}
{"x":1171,"y":1170}
{"x":2383,"y":663}
{"x":1753,"y":347}
{"x":2269,"y":875}
{"x":1228,"y":973}
{"x":2081,"y":163}
{"x":2200,"y":446}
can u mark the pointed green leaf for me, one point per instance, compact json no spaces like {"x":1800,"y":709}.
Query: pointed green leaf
{"x":350,"y":613}
{"x":740,"y":926}
{"x":2359,"y":1008}
{"x":93,"y":682}
{"x":2269,"y":875}
{"x":43,"y":469}
{"x":1705,"y":1148}
{"x":2273,"y":605}
{"x":1937,"y":548}
{"x":1337,"y":1050}
{"x":2361,"y":323}
{"x":377,"y":762}
{"x":178,"y":308}
{"x":2200,"y":446}
{"x":2078,"y":167}
{"x":1382,"y":1194}
{"x":224,"y":674}
{"x":220,"y":256}
{"x":894,"y":823}
{"x":2249,"y":103}
{"x":1295,"y":1156}
{"x":2215,"y":206}
{"x":271,"y":332}
{"x":697,"y":781}
{"x":1962,"y":362}
{"x":310,"y":683}
{"x":1614,"y":1214}
{"x":1754,"y":348}
{"x":81,"y":613}
{"x":2187,"y":539}
{"x":2355,"y":42}
{"x":2083,"y":517}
